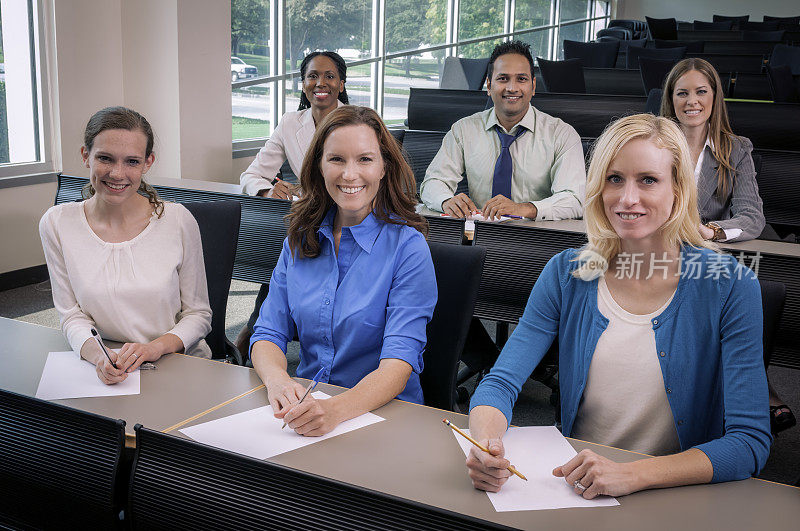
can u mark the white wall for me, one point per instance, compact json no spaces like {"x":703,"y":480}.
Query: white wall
{"x":689,"y":10}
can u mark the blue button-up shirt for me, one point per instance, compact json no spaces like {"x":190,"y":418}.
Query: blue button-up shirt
{"x":372,"y":301}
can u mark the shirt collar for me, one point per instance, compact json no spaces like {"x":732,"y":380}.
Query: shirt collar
{"x":528,"y":121}
{"x":709,"y":143}
{"x":364,"y":234}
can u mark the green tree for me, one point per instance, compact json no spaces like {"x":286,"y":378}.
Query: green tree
{"x":249,"y":21}
{"x":406,"y":26}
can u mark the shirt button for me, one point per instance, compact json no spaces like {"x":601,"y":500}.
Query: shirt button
{"x":669,"y":390}
{"x":680,"y":423}
{"x":662,"y":353}
{"x":655,"y":321}
{"x":327,"y":301}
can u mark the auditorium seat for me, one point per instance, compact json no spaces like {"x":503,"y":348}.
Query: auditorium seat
{"x":563,"y":76}
{"x":786,"y":55}
{"x":592,"y":54}
{"x":662,"y":28}
{"x":724,"y":25}
{"x":736,"y":20}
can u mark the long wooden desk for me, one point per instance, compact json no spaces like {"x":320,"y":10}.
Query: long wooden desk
{"x":179,"y":388}
{"x":410,"y":454}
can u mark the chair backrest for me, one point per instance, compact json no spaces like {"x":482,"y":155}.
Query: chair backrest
{"x":563,"y":76}
{"x":612,"y":81}
{"x":612,"y":34}
{"x":438,"y":110}
{"x":421,"y":147}
{"x":475,"y":72}
{"x":653,"y":105}
{"x":787,"y":20}
{"x":662,"y":28}
{"x":691,"y":46}
{"x":592,"y":54}
{"x":178,"y":483}
{"x":778,"y":191}
{"x":458,"y":275}
{"x":654,"y":72}
{"x":781,"y":84}
{"x":665,"y":54}
{"x":219,"y":227}
{"x":760,"y":26}
{"x":723,"y":25}
{"x":786,"y":55}
{"x":737,"y":20}
{"x":763,"y":36}
{"x":773,"y":298}
{"x":59,"y":467}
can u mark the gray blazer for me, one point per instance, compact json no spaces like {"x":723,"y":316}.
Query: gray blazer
{"x":741,"y":208}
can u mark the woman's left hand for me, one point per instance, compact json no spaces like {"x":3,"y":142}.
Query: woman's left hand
{"x":131,"y":355}
{"x":599,"y":476}
{"x":706,"y":232}
{"x":313,"y":417}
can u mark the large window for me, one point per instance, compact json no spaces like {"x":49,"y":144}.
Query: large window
{"x":22,"y":128}
{"x":389,"y":46}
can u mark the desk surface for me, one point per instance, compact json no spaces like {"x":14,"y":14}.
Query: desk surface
{"x":411,"y":454}
{"x":179,"y":388}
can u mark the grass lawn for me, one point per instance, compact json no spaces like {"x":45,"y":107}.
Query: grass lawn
{"x":249,"y":128}
{"x":259,"y":61}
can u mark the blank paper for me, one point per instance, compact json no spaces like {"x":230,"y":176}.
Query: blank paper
{"x":535,"y":451}
{"x":257,"y":433}
{"x":67,"y":375}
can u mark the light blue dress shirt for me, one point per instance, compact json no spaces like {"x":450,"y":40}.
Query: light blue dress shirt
{"x":372,"y":301}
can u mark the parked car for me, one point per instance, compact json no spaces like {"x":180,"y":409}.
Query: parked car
{"x":241,"y":70}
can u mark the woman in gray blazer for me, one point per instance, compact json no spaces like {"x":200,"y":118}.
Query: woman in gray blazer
{"x":727,"y":192}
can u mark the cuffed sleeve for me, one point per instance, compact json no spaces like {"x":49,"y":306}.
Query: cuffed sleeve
{"x":444,"y":172}
{"x":410,"y":304}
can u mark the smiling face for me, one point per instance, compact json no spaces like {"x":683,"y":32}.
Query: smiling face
{"x":638,"y":194}
{"x":352,"y":167}
{"x":322,"y":83}
{"x":512,"y":86}
{"x":116,"y":164}
{"x":693,"y":99}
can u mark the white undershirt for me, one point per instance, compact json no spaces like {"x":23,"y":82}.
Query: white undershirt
{"x":624,"y":403}
{"x":133,"y":291}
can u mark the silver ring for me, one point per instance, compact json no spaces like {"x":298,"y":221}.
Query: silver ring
{"x":578,"y":485}
{"x":135,"y":356}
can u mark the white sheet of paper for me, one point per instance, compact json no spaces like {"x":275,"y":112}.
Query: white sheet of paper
{"x":66,"y":375}
{"x":535,"y":451}
{"x":257,"y":433}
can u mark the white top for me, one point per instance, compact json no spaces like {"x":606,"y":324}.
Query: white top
{"x":698,"y":168}
{"x":624,"y":402}
{"x":289,"y":141}
{"x":133,"y":291}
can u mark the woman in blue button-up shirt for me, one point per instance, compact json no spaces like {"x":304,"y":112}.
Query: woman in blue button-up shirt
{"x":702,"y":374}
{"x":355,"y":279}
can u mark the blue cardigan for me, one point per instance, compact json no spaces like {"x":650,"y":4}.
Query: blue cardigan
{"x":708,"y":342}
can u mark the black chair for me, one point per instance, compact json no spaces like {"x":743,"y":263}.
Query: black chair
{"x":59,"y":467}
{"x":763,"y":36}
{"x":786,"y":20}
{"x":613,"y":34}
{"x":691,"y":46}
{"x":178,"y":483}
{"x":786,"y":55}
{"x":736,"y":20}
{"x":760,"y":26}
{"x":654,"y":72}
{"x":637,"y":28}
{"x":725,"y":25}
{"x":781,"y":84}
{"x":662,"y":28}
{"x":563,"y":76}
{"x":664,"y":54}
{"x":458,"y":275}
{"x":464,"y":74}
{"x":773,"y":297}
{"x":219,"y":226}
{"x":653,"y":105}
{"x":592,"y":54}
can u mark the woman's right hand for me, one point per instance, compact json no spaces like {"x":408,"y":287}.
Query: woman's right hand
{"x":91,"y":352}
{"x":283,"y":393}
{"x":489,"y":471}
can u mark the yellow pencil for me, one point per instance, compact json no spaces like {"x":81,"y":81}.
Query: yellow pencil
{"x":480,"y":446}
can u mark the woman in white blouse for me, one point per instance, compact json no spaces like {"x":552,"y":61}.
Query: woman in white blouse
{"x":123,"y":262}
{"x":323,"y":75}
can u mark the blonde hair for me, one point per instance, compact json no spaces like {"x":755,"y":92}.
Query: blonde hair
{"x":682,"y":226}
{"x":719,"y":127}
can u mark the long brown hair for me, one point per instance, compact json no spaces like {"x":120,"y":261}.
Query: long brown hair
{"x":394,"y":202}
{"x":719,"y":127}
{"x":128,"y":120}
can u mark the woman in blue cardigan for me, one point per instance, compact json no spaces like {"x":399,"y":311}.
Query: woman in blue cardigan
{"x":659,"y":334}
